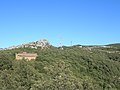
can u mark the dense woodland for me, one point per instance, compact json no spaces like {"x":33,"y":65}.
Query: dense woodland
{"x":70,"y":68}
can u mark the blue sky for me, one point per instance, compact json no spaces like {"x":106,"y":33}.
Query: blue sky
{"x":86,"y":22}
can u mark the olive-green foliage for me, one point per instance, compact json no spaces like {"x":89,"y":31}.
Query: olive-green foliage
{"x":72,"y":68}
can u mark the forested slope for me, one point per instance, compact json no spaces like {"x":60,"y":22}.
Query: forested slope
{"x":72,"y":68}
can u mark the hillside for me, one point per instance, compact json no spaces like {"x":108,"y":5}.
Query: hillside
{"x":71,"y":68}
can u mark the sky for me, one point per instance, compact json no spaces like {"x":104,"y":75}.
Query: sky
{"x":85,"y":22}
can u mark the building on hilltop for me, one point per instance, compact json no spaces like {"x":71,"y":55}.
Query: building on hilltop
{"x":25,"y":55}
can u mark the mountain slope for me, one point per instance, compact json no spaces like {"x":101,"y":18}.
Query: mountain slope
{"x":70,"y":68}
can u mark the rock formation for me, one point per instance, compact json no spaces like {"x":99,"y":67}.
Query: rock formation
{"x":43,"y":43}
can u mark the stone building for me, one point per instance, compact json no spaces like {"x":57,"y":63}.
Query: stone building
{"x":25,"y":55}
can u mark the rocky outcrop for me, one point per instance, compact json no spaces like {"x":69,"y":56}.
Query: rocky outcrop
{"x":43,"y":43}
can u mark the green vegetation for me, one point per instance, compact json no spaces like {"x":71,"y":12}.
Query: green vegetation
{"x":72,"y":68}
